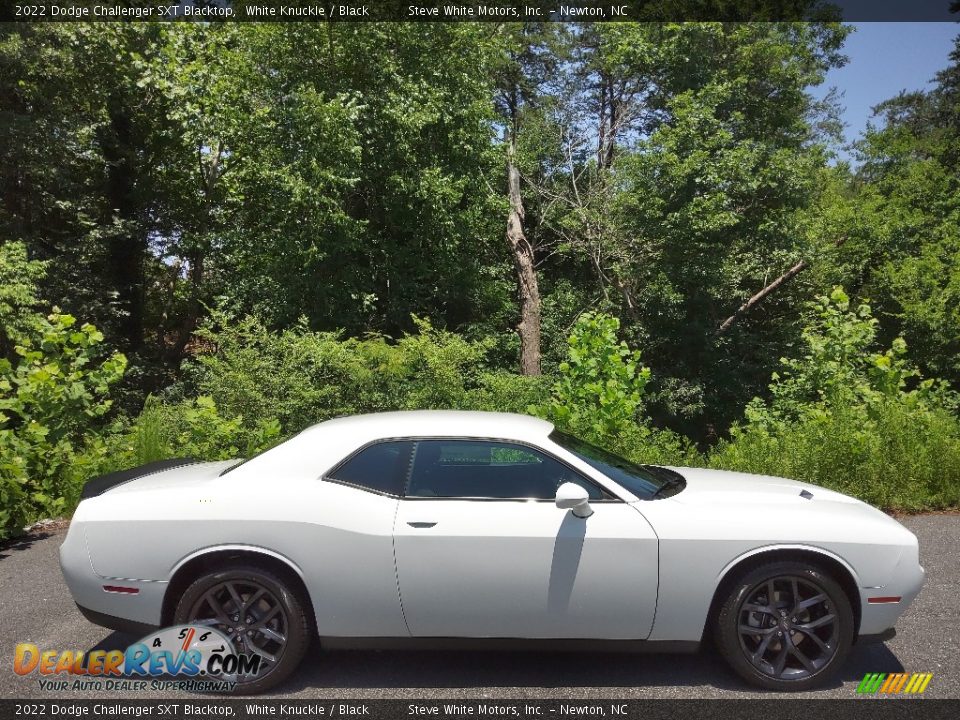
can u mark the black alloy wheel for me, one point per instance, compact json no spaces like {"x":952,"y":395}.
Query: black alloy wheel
{"x":258,"y":613}
{"x":785,"y":626}
{"x":788,"y":627}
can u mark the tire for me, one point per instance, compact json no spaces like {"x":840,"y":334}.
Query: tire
{"x":795,"y":643}
{"x":271,"y":596}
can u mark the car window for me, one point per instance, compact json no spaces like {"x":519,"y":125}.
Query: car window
{"x":381,"y":467}
{"x":487,"y":469}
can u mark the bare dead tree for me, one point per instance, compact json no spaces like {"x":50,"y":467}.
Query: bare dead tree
{"x":528,"y":290}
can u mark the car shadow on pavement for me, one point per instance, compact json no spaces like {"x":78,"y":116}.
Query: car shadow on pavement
{"x":413,"y":669}
{"x":114,"y":641}
{"x":365,"y":669}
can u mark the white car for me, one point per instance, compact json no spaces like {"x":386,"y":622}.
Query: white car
{"x":429,"y":527}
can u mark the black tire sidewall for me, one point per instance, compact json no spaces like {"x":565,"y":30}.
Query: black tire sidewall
{"x":727,"y":623}
{"x":298,"y":633}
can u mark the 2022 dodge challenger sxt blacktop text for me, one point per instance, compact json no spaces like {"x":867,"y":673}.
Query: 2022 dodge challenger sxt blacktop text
{"x":431,"y":527}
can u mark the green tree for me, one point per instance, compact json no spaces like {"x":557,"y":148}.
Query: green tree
{"x":710,"y":199}
{"x":296,"y":170}
{"x":360,"y":192}
{"x":527,"y":94}
{"x":907,"y":191}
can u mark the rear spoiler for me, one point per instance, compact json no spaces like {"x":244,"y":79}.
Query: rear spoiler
{"x":102,"y":483}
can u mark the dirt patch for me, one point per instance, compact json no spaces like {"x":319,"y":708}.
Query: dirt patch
{"x":47,"y":527}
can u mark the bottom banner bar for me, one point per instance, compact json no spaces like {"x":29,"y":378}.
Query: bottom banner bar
{"x":526,"y":709}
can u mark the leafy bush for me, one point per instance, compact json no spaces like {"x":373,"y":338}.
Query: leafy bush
{"x":848,"y":417}
{"x":302,"y":377}
{"x":431,"y":369}
{"x":501,"y":391}
{"x":600,"y":387}
{"x":294,"y":375}
{"x":193,"y":428}
{"x":841,"y":367}
{"x":655,"y":446}
{"x":896,"y":456}
{"x":57,"y":391}
{"x":598,"y":395}
{"x":844,"y":413}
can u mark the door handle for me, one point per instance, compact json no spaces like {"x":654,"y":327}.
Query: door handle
{"x":421,"y":524}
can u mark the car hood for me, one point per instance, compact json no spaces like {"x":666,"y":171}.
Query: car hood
{"x":722,"y":518}
{"x":724,"y":486}
{"x":736,"y":494}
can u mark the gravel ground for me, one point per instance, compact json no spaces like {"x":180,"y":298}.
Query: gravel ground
{"x":35,"y":606}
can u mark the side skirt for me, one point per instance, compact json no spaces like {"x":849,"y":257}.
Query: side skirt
{"x":510,"y":644}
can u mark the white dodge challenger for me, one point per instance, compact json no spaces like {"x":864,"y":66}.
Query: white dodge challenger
{"x":440,"y":527}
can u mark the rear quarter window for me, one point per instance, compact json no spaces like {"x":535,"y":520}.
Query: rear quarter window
{"x":380,"y":468}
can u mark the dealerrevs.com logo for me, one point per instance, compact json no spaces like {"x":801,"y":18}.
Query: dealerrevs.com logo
{"x":190,"y":657}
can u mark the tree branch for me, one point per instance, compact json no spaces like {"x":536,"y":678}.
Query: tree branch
{"x":758,"y":297}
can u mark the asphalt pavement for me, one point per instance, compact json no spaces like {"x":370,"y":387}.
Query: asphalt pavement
{"x":36,"y":607}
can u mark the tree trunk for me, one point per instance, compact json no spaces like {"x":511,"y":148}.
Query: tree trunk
{"x":191,"y":317}
{"x":210,"y":168}
{"x":528,"y":291}
{"x":126,"y":245}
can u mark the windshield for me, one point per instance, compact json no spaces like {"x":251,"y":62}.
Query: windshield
{"x":644,"y":481}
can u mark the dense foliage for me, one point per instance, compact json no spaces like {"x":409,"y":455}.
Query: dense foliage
{"x":214,"y":236}
{"x":51,"y":397}
{"x":849,"y":415}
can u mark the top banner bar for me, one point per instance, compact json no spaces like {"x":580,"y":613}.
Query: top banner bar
{"x":469,"y":11}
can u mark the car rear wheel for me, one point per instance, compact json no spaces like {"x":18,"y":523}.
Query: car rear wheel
{"x":258,"y":612}
{"x":785,"y":626}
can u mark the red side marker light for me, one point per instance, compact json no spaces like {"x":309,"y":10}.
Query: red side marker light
{"x":121,"y":589}
{"x":884,"y":599}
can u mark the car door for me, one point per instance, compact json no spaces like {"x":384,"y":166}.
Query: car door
{"x":483,"y":551}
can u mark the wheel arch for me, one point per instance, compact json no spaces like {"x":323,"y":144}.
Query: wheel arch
{"x":838,"y":568}
{"x":193,"y":566}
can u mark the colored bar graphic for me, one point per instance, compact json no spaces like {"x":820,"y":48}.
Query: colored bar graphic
{"x":894,"y":683}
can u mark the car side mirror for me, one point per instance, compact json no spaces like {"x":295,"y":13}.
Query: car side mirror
{"x":575,"y":498}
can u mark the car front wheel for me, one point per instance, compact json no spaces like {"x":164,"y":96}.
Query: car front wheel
{"x":785,"y":626}
{"x":258,"y":612}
